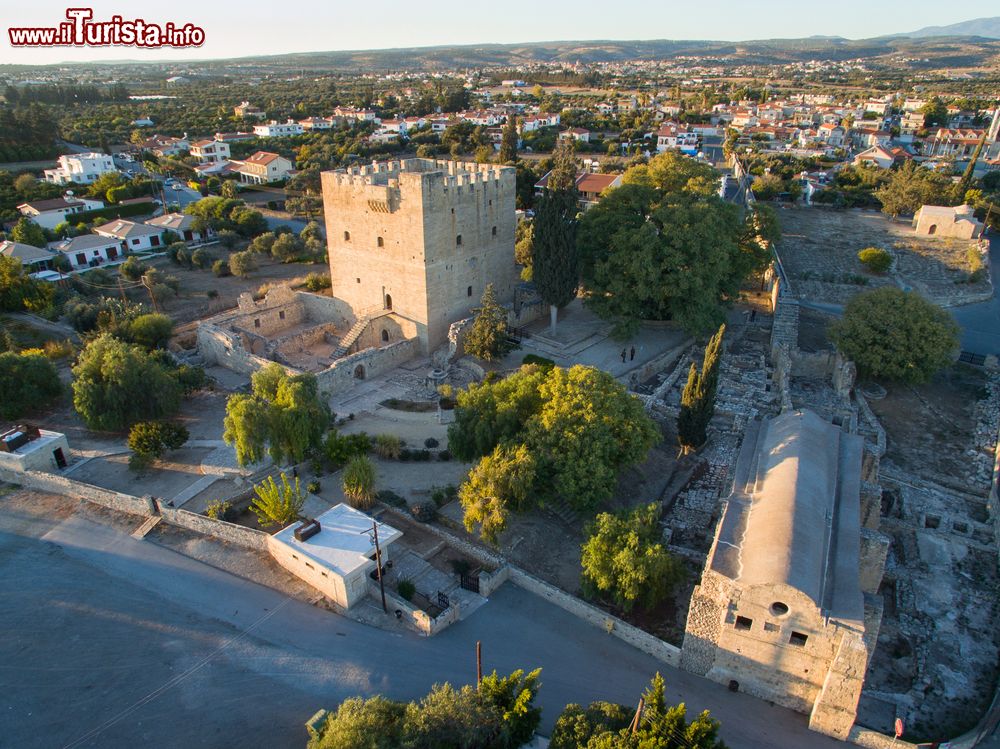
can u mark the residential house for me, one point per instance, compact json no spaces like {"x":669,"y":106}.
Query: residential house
{"x":674,"y":136}
{"x":48,"y":214}
{"x":263,"y":167}
{"x":182,"y":225}
{"x":957,"y":144}
{"x":210,"y":151}
{"x":81,"y":168}
{"x":316,"y":123}
{"x":275,"y":129}
{"x":589,"y":185}
{"x":165,"y":145}
{"x":247,"y":110}
{"x":576,"y":133}
{"x":33,"y":259}
{"x":132,"y":236}
{"x":234,"y":137}
{"x":88,"y":250}
{"x":832,"y":135}
{"x":882,"y":156}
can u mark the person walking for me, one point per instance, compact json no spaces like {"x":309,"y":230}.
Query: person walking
{"x":631,"y":355}
{"x":624,"y":352}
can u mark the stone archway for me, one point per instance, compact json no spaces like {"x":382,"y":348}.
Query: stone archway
{"x":359,"y":372}
{"x":388,"y":301}
{"x":385,"y":335}
{"x":932,"y":229}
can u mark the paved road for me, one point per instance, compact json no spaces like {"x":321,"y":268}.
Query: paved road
{"x":112,"y":642}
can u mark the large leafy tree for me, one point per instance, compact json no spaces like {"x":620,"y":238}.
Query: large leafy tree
{"x":911,"y":187}
{"x":488,"y":338}
{"x":27,"y":231}
{"x":19,"y":291}
{"x":604,"y":725}
{"x":555,"y":259}
{"x":624,"y":558}
{"x":28,"y":381}
{"x":663,"y":246}
{"x":896,"y":335}
{"x":116,"y":384}
{"x":284,"y":415}
{"x":545,"y":434}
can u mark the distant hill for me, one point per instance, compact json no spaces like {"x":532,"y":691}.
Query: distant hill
{"x":988,"y":28}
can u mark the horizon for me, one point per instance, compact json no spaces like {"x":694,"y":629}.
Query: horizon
{"x":350,"y":29}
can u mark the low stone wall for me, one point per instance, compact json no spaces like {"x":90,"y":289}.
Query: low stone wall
{"x":490,"y":581}
{"x":659,"y":363}
{"x":420,"y":620}
{"x":305,"y":338}
{"x":647,"y":643}
{"x":50,"y":482}
{"x":248,"y":538}
{"x":225,"y":348}
{"x":875,"y":740}
{"x":340,"y":377}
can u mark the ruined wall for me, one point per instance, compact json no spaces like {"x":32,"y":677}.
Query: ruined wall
{"x":396,"y":329}
{"x":321,"y":308}
{"x":704,"y":622}
{"x":225,"y":348}
{"x":874,"y":550}
{"x":342,"y":375}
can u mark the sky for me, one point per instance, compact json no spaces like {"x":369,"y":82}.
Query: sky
{"x":252,"y":27}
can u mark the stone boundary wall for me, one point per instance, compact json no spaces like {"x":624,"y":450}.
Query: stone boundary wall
{"x":647,"y":643}
{"x":659,"y":363}
{"x":239,"y":535}
{"x":490,"y":581}
{"x":339,"y":377}
{"x":305,"y":338}
{"x":874,"y":740}
{"x":873,"y":422}
{"x":50,"y":482}
{"x":420,"y":620}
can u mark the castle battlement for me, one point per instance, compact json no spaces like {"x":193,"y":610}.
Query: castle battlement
{"x":423,"y":174}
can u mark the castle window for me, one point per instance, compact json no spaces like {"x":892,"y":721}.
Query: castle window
{"x":347,"y":236}
{"x":256,"y":323}
{"x":798,"y":639}
{"x":743,"y":623}
{"x":779,"y":609}
{"x":358,"y":280}
{"x":281,"y":314}
{"x":380,"y":242}
{"x":494,"y":231}
{"x":458,"y":240}
{"x":468,"y":292}
{"x":385,"y":334}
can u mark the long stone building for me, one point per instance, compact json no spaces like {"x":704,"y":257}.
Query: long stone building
{"x":422,"y":238}
{"x":787,"y":607}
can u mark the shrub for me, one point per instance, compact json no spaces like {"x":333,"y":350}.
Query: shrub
{"x":313,"y":487}
{"x":875,"y":259}
{"x":152,"y":438}
{"x":976,"y":269}
{"x":132,"y":269}
{"x":425,"y":512}
{"x":422,"y":455}
{"x":221,"y":268}
{"x":227,"y":238}
{"x":58,"y":349}
{"x":406,"y":589}
{"x":405,"y":455}
{"x":391,"y":498}
{"x":389,"y":447}
{"x":359,"y":482}
{"x":190,"y":378}
{"x":539,"y":360}
{"x":318,"y":281}
{"x":460,"y":566}
{"x":28,"y":381}
{"x":218,"y":509}
{"x":212,"y":293}
{"x":444,"y":456}
{"x":202,"y":258}
{"x":340,"y":448}
{"x":430,"y":442}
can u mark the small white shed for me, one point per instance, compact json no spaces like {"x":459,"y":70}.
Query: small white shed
{"x":337,"y":559}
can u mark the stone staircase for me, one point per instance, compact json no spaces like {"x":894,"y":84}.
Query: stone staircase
{"x":356,"y":330}
{"x":563,"y":511}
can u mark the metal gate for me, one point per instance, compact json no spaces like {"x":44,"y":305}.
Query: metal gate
{"x":470,"y":581}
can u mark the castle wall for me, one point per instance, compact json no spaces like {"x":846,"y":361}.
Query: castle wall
{"x":342,"y":376}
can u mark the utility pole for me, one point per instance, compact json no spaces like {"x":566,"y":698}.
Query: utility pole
{"x":638,"y":716}
{"x":378,"y":562}
{"x":152,"y":298}
{"x":479,"y":663}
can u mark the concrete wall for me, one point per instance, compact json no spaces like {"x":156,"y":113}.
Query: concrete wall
{"x":344,"y":592}
{"x":40,"y":458}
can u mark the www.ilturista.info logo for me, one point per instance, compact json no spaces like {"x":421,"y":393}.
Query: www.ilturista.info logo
{"x":81,"y":31}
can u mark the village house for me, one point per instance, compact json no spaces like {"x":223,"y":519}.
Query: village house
{"x":263,"y":167}
{"x":247,"y":110}
{"x":576,"y":133}
{"x":165,"y":145}
{"x":81,"y":168}
{"x":316,"y":123}
{"x":181,"y":224}
{"x":33,"y":259}
{"x":674,"y":136}
{"x":89,"y":250}
{"x":48,"y":214}
{"x":275,"y":129}
{"x":134,"y":237}
{"x":589,"y":185}
{"x":210,"y":151}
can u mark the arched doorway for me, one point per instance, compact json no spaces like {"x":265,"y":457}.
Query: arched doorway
{"x":388,"y":301}
{"x":385,"y":335}
{"x":359,"y":372}
{"x":932,"y":229}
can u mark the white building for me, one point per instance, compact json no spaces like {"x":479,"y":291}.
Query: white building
{"x":337,"y":559}
{"x":133,"y":237}
{"x":181,"y":224}
{"x":88,"y":250}
{"x":33,"y":259}
{"x":275,"y":129}
{"x":48,"y":214}
{"x":263,"y":167}
{"x":28,"y":448}
{"x":210,"y":151}
{"x":82,"y":168}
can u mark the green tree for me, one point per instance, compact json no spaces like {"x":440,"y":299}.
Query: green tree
{"x":508,"y":141}
{"x":28,"y":382}
{"x":283,"y":415}
{"x":488,"y":339}
{"x":358,"y":482}
{"x":149,"y":439}
{"x":524,"y":246}
{"x":151,"y":331}
{"x":133,"y":268}
{"x":500,"y":483}
{"x":512,"y":698}
{"x":27,"y":231}
{"x":896,"y":335}
{"x":911,"y":187}
{"x":277,"y":505}
{"x":242,"y":264}
{"x":19,"y":291}
{"x":375,"y":723}
{"x":935,"y":112}
{"x":963,"y":185}
{"x":623,"y":558}
{"x":673,"y":172}
{"x":229,"y":189}
{"x":555,"y":264}
{"x":116,"y":384}
{"x":698,"y":396}
{"x":286,"y":248}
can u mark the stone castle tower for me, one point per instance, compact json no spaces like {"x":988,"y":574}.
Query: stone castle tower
{"x":421,"y":237}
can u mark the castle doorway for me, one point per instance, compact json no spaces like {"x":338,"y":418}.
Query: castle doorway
{"x":359,"y":372}
{"x":388,"y":301}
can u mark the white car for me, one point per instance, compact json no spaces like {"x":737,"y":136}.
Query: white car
{"x":177,"y":187}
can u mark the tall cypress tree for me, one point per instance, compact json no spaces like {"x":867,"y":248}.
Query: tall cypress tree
{"x":556,"y":264}
{"x":958,"y":197}
{"x":508,"y":143}
{"x":698,"y":397}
